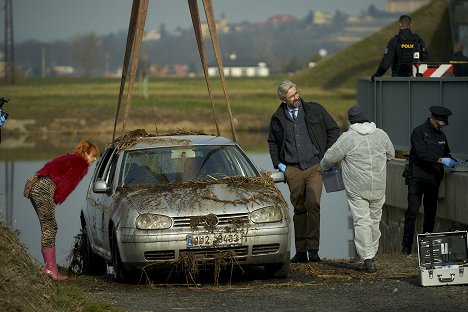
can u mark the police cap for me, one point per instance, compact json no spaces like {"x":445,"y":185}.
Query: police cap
{"x":441,"y":114}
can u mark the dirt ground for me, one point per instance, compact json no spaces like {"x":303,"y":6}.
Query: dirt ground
{"x":330,"y":285}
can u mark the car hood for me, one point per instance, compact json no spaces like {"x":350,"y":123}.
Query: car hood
{"x":200,"y":198}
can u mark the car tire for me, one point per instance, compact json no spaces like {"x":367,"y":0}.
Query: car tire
{"x":120,"y":274}
{"x":277,"y":270}
{"x":92,"y":263}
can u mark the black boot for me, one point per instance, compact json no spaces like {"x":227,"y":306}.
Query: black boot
{"x":301,"y":256}
{"x":406,"y":250}
{"x":313,"y":255}
{"x":369,"y":266}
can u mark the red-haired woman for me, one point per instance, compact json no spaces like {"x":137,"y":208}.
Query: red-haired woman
{"x":56,"y":180}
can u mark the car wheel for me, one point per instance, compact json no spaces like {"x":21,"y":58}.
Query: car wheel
{"x":120,"y":273}
{"x":277,"y":270}
{"x":92,"y":263}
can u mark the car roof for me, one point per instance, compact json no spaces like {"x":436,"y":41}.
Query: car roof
{"x":151,"y":141}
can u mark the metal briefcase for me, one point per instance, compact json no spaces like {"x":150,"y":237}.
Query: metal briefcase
{"x":443,"y":258}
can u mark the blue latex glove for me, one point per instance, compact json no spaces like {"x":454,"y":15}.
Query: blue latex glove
{"x":2,"y":120}
{"x":282,"y":167}
{"x":448,"y":162}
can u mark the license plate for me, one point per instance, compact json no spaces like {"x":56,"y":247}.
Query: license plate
{"x":213,"y":240}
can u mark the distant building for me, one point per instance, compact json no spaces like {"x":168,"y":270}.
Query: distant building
{"x":180,"y":70}
{"x":261,"y":70}
{"x":63,"y":70}
{"x":222,"y":27}
{"x":113,"y":73}
{"x":322,"y":18}
{"x":405,"y":6}
{"x":281,"y":18}
{"x":152,"y":35}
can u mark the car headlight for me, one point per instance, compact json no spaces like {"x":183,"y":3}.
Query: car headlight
{"x":266,"y":214}
{"x":150,"y":221}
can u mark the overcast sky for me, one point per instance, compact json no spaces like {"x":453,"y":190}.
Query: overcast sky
{"x":49,"y":20}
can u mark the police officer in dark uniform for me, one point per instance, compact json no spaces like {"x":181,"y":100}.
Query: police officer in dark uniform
{"x":459,"y":61}
{"x":428,"y":155}
{"x":402,"y":51}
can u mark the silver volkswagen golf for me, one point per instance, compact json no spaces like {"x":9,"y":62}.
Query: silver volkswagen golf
{"x":156,"y":200}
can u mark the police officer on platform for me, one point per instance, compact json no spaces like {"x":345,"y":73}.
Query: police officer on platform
{"x":429,"y":155}
{"x":402,"y":51}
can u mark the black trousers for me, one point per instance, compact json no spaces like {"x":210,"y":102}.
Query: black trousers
{"x":428,"y":191}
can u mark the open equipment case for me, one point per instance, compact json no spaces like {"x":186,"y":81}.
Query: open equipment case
{"x":443,"y":258}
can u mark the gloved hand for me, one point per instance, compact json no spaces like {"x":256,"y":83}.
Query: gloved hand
{"x":282,"y":167}
{"x":448,"y":162}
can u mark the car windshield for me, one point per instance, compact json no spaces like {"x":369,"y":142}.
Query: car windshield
{"x":157,"y":166}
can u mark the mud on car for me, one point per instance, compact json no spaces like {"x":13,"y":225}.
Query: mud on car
{"x":156,"y":200}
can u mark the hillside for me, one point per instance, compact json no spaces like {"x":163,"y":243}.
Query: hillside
{"x":361,"y":59}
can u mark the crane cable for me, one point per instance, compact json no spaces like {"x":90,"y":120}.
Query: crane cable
{"x":195,"y":14}
{"x":139,"y":31}
{"x":208,"y":6}
{"x":133,"y":46}
{"x":128,"y":51}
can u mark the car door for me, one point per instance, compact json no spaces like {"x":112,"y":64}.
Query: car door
{"x":104,"y":203}
{"x":96,"y":202}
{"x":93,"y":198}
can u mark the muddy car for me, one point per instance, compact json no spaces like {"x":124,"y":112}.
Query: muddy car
{"x":154,"y":201}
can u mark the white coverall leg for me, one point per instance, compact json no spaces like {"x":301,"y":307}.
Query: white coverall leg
{"x":366,"y":218}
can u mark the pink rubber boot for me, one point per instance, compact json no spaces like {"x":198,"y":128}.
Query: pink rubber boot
{"x":50,"y":267}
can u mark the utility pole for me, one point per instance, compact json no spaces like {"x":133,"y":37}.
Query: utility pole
{"x":9,"y":44}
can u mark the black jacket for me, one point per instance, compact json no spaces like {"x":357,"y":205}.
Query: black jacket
{"x":460,"y":64}
{"x":428,"y":145}
{"x":322,"y":128}
{"x":392,"y":55}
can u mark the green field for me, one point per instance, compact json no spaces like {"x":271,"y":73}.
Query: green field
{"x":31,"y":98}
{"x":55,"y":113}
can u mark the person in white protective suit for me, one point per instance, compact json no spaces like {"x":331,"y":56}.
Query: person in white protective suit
{"x":363,"y":152}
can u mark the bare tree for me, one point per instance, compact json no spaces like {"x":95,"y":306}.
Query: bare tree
{"x":87,"y":53}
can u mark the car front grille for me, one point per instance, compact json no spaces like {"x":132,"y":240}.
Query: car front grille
{"x":207,"y":254}
{"x":223,"y":219}
{"x":265,"y":249}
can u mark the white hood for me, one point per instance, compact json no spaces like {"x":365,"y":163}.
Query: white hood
{"x":364,"y":128}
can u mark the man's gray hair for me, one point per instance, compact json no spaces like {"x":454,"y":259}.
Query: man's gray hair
{"x":283,"y":89}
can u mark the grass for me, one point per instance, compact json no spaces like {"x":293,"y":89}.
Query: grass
{"x":23,"y":287}
{"x":53,"y":112}
{"x":246,"y":95}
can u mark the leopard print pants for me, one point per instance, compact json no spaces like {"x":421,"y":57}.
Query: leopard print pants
{"x":42,"y":198}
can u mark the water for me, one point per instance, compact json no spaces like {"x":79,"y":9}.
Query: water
{"x":17,"y":211}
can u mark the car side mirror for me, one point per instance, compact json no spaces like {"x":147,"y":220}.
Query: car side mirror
{"x":100,"y":186}
{"x":277,"y":176}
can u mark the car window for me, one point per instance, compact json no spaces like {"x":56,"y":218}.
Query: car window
{"x":158,"y":166}
{"x":109,"y":172}
{"x":106,"y":166}
{"x":102,"y":164}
